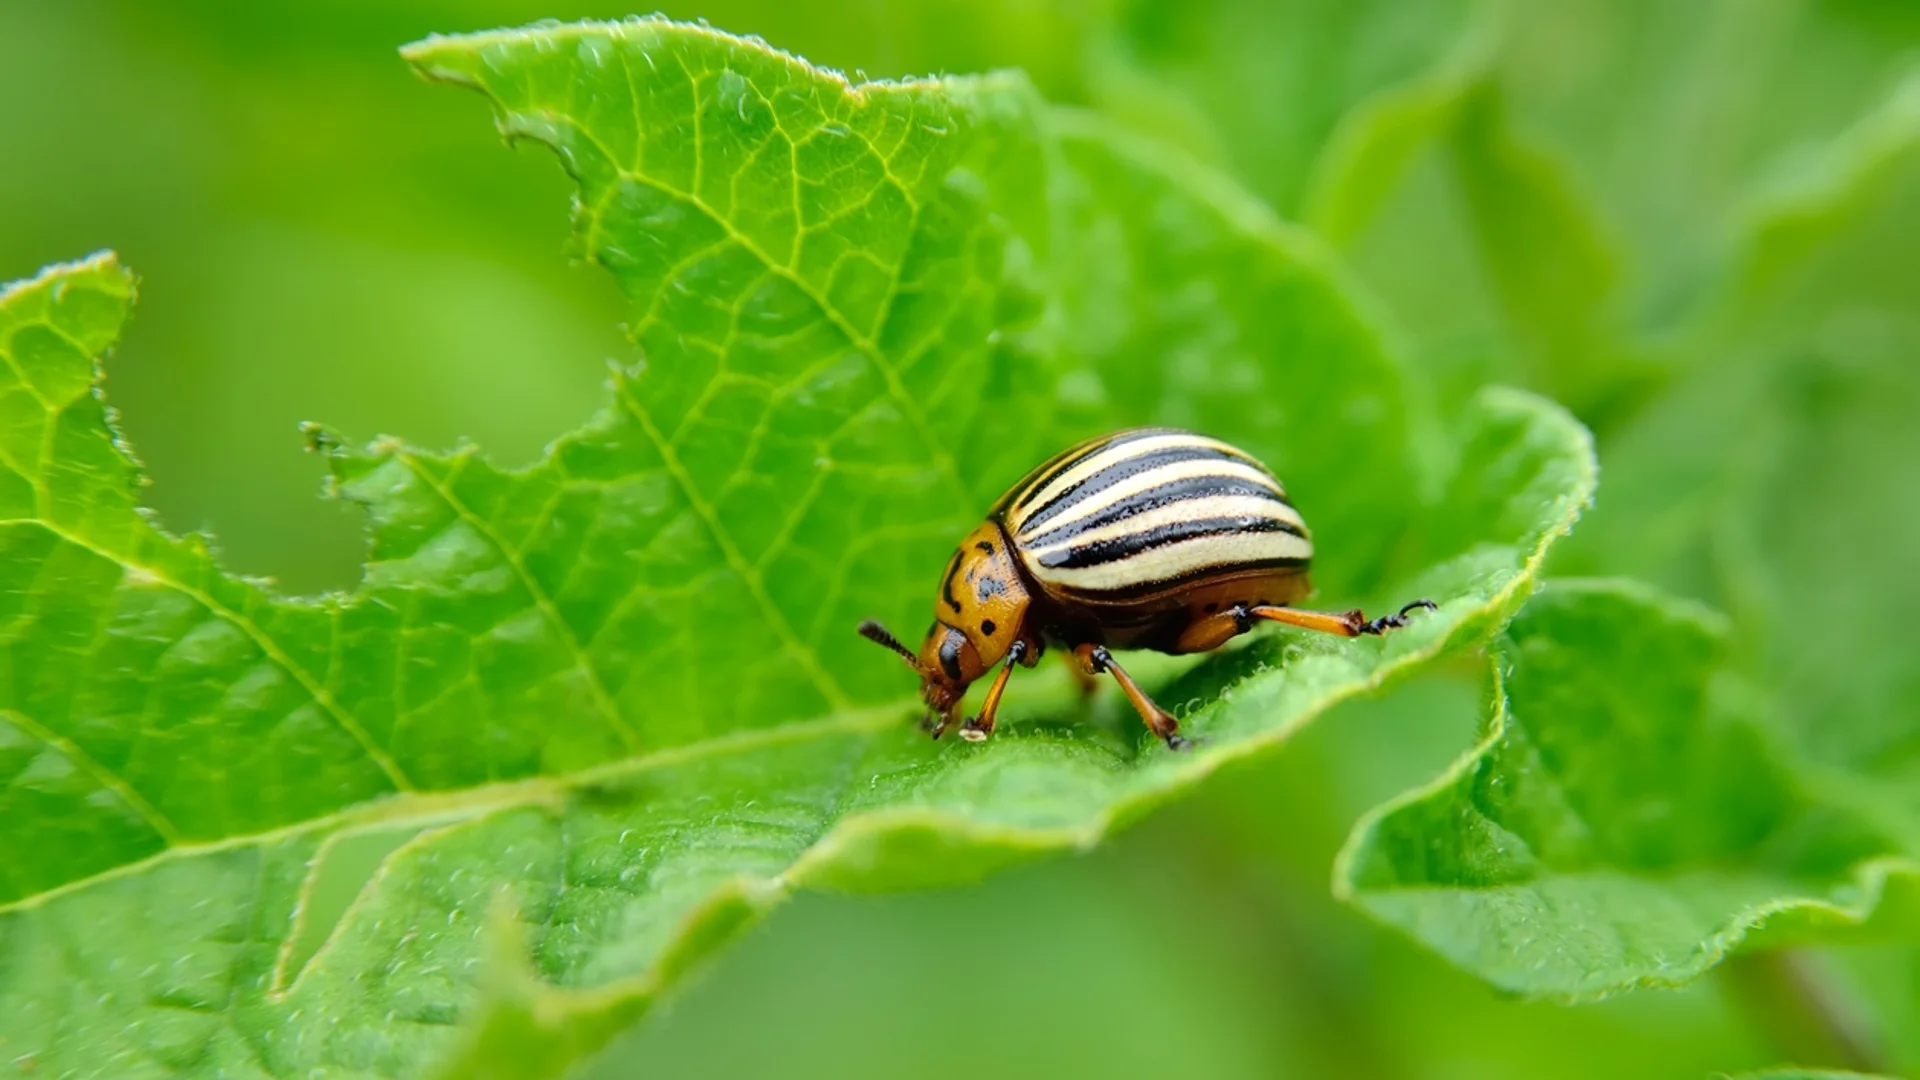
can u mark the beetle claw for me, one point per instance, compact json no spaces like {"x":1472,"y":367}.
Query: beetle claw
{"x":1395,"y":621}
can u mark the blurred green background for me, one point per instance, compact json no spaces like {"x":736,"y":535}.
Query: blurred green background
{"x":322,"y":237}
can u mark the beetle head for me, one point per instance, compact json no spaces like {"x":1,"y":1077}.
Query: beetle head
{"x":979,"y":613}
{"x":947,"y":664}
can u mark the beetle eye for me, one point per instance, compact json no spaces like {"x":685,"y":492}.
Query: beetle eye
{"x":950,"y":653}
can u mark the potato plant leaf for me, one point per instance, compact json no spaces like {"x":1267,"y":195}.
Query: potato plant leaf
{"x":1804,"y":383}
{"x":1382,"y":136}
{"x":584,"y":721}
{"x":1625,"y":821}
{"x":1262,"y":87}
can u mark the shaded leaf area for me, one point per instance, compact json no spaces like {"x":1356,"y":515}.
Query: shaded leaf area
{"x":1491,"y":250}
{"x":1676,"y":116}
{"x":1775,"y":480}
{"x":1520,"y":184}
{"x":1263,"y":88}
{"x":1625,"y":821}
{"x":584,"y":721}
{"x":1595,"y":92}
{"x":1795,"y":1073}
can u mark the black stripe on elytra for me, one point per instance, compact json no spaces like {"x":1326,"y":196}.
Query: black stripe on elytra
{"x":1140,"y":589}
{"x":1101,"y":552}
{"x":1173,"y":491}
{"x":946,"y":581}
{"x":1089,"y":486}
{"x":1040,"y":477}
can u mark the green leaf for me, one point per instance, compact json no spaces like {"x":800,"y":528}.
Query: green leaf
{"x":583,"y":722}
{"x":1263,"y":88}
{"x":1804,"y":386}
{"x":1381,"y":137}
{"x":1674,"y":115}
{"x":1548,"y":256}
{"x":1625,"y":821}
{"x":1370,"y":93}
{"x":1539,"y":295}
{"x":1791,"y":224}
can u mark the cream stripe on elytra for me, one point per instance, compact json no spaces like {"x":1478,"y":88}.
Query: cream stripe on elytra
{"x":1145,"y":480}
{"x":1074,"y":469}
{"x":1068,"y":483}
{"x":1208,"y":508}
{"x":1106,"y":455}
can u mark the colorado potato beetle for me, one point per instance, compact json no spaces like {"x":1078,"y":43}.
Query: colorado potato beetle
{"x":1150,"y":538}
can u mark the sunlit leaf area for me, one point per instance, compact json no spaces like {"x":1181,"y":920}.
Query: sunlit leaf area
{"x":446,"y":450}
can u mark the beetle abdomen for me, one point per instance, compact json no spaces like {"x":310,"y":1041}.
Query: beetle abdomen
{"x":1150,"y":511}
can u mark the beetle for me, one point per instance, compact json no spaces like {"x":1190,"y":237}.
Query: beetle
{"x":1148,"y":538}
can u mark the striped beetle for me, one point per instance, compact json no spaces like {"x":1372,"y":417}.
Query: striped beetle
{"x":1151,"y":538}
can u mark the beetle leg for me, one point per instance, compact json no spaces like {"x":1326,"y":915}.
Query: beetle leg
{"x":1082,"y":677}
{"x":1349,"y":624}
{"x":1209,"y":632}
{"x":1096,"y":659}
{"x":977,"y":728}
{"x":1212,"y":631}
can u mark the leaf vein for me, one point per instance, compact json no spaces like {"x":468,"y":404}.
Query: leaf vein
{"x":261,"y":639}
{"x":429,"y":808}
{"x":809,"y":662}
{"x":865,"y":343}
{"x":544,"y":603}
{"x":162,"y":825}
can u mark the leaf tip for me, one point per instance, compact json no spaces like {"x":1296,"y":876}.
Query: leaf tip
{"x":101,"y":272}
{"x":319,"y":438}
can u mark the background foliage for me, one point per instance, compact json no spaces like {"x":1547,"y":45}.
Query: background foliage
{"x":1692,"y":224}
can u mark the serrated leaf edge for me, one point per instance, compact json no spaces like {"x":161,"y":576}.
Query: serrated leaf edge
{"x":1870,"y":876}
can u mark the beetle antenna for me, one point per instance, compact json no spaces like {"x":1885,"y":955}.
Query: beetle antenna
{"x":881,"y":636}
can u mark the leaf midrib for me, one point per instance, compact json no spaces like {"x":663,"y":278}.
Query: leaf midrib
{"x":454,"y":806}
{"x":602,"y":700}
